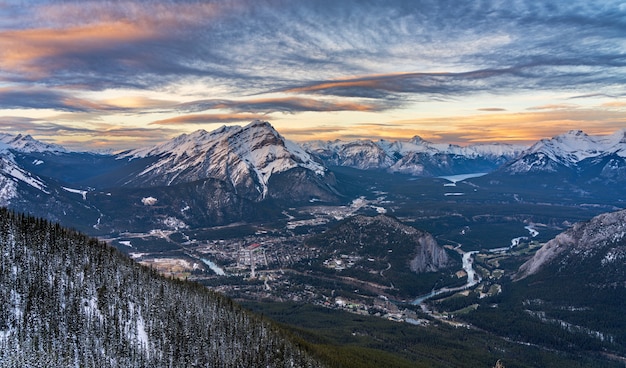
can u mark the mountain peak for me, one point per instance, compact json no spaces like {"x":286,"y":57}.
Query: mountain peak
{"x":245,"y":156}
{"x":567,"y":150}
{"x":28,"y":144}
{"x":259,"y":123}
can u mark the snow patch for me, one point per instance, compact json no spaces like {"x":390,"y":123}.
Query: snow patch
{"x":149,"y":201}
{"x":77,"y":191}
{"x":9,"y":167}
{"x":215,"y":268}
{"x":457,"y":178}
{"x":174,"y":223}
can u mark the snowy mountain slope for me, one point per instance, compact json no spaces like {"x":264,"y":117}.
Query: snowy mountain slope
{"x":247,"y":157}
{"x":11,"y":175}
{"x":567,"y":151}
{"x":415,"y":157}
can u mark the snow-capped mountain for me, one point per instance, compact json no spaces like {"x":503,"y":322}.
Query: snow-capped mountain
{"x":13,"y":175}
{"x":248,"y":157}
{"x":26,"y":143}
{"x":570,"y":150}
{"x":415,"y":156}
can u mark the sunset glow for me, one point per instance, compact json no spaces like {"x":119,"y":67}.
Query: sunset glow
{"x":104,"y":74}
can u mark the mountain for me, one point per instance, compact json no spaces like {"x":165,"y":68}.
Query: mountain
{"x":23,"y":188}
{"x":569,"y":295}
{"x":597,"y":246}
{"x":573,"y":290}
{"x":26,"y":143}
{"x":414,"y":157}
{"x":574,"y":150}
{"x":253,"y":159}
{"x":14,"y":179}
{"x":199,"y":179}
{"x":371,"y":244}
{"x":68,"y":300}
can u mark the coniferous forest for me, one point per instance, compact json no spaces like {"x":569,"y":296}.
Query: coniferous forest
{"x":70,"y":300}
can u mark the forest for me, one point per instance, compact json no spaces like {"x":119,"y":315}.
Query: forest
{"x":70,"y":300}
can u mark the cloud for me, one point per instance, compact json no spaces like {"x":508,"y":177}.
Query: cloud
{"x":285,"y":105}
{"x":521,"y":128}
{"x":389,"y":85}
{"x":614,"y":104}
{"x":325,"y":56}
{"x":138,"y":103}
{"x":553,"y":107}
{"x":39,"y":98}
{"x":209,"y":119}
{"x":491,"y":109}
{"x":83,"y":136}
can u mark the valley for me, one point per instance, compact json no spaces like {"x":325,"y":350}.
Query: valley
{"x":499,"y":236}
{"x":430,"y":241}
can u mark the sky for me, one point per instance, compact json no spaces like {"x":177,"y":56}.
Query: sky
{"x":125,"y":74}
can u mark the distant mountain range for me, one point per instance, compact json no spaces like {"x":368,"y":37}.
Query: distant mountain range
{"x":575,"y":151}
{"x":242,"y":173}
{"x":414,"y":157}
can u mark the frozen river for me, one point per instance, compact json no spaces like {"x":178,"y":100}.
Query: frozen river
{"x":472,"y":279}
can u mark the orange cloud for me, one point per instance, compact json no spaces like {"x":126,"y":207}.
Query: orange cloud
{"x":553,"y":107}
{"x":36,"y":52}
{"x":523,"y":128}
{"x":209,"y":119}
{"x":615,"y":104}
{"x":283,"y":104}
{"x":138,"y":102}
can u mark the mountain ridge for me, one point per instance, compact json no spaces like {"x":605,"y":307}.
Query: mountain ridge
{"x":246,"y":157}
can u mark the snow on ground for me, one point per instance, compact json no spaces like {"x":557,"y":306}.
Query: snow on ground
{"x":149,"y":201}
{"x":215,"y":268}
{"x":533,"y":232}
{"x":77,"y":191}
{"x":14,"y":171}
{"x":126,"y":243}
{"x":460,"y":177}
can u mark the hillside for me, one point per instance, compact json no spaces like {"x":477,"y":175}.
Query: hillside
{"x":570,"y":294}
{"x":382,"y":250}
{"x":68,"y":300}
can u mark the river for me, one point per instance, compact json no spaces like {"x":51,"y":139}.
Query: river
{"x":472,"y":279}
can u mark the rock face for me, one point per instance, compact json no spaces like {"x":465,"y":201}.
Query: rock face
{"x":598,"y":245}
{"x":430,"y":256}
